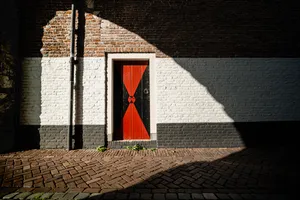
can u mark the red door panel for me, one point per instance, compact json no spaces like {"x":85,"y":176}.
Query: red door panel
{"x":133,"y":126}
{"x":132,"y":75}
{"x":131,"y":102}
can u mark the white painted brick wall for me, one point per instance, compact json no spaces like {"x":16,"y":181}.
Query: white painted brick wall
{"x":45,"y":96}
{"x":189,"y":90}
{"x":193,"y":90}
{"x":93,"y":81}
{"x":31,"y":92}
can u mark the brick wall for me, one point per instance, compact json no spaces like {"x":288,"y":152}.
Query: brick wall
{"x":46,"y":91}
{"x":45,"y":100}
{"x":193,"y":90}
{"x":56,"y":37}
{"x":227,"y":102}
{"x":176,"y":28}
{"x":220,"y":64}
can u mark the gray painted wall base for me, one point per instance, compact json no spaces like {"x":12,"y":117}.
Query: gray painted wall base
{"x":180,"y":135}
{"x":53,"y":137}
{"x":238,"y":134}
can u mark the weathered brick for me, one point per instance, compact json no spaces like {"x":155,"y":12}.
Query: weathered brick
{"x":202,"y":87}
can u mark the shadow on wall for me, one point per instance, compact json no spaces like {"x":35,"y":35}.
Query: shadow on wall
{"x":9,"y":81}
{"x":209,"y":29}
{"x":29,"y":133}
{"x":261,"y":95}
{"x":78,"y":139}
{"x":35,"y":131}
{"x":232,"y":41}
{"x":31,"y":88}
{"x":243,"y":52}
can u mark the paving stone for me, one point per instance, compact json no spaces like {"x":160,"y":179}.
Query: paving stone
{"x":197,"y":196}
{"x":171,"y":196}
{"x":57,"y":195}
{"x":184,"y":196}
{"x":34,"y":195}
{"x":222,"y":196}
{"x":235,"y":196}
{"x":106,"y":190}
{"x":260,"y":196}
{"x":5,"y":191}
{"x":146,"y":196}
{"x":58,"y":190}
{"x":227,"y":191}
{"x":279,"y":197}
{"x":91,"y":190}
{"x":69,"y":196}
{"x":82,"y":196}
{"x":121,"y":196}
{"x":159,"y":196}
{"x":247,"y":196}
{"x":109,"y":196}
{"x":209,"y":196}
{"x":44,"y":190}
{"x":23,"y":195}
{"x":78,"y":190}
{"x":197,"y":191}
{"x":214,"y":171}
{"x":47,"y":195}
{"x":10,"y":195}
{"x":25,"y":190}
{"x":176,"y":191}
{"x":159,"y":190}
{"x":209,"y":190}
{"x":142,"y":191}
{"x":95,"y":196}
{"x":134,"y":196}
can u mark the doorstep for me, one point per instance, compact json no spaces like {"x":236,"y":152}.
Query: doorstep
{"x":121,"y":144}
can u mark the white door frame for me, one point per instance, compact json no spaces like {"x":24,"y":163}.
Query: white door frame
{"x":111,"y":57}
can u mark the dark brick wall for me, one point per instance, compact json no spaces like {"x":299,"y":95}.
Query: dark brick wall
{"x":37,"y":14}
{"x":52,"y":137}
{"x":93,"y":136}
{"x":201,"y":28}
{"x":238,"y":134}
{"x":184,"y":135}
{"x":177,"y":28}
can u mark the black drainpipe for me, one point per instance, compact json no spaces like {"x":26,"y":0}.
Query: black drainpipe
{"x":72,"y":62}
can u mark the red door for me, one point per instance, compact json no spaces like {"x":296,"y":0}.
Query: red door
{"x":131,"y":100}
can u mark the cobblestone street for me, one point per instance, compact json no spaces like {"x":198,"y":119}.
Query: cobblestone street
{"x":233,"y":173}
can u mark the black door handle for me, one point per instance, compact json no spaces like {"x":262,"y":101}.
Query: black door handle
{"x":146,"y":91}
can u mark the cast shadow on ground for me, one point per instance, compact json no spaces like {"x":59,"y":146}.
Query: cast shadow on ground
{"x":250,"y":173}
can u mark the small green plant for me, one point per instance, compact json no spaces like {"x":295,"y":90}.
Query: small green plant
{"x":153,"y":149}
{"x":101,"y":148}
{"x":136,"y":147}
{"x":39,"y":197}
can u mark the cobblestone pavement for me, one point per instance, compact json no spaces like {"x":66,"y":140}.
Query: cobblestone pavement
{"x":232,"y":173}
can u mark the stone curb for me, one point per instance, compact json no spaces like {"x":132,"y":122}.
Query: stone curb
{"x":15,"y":194}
